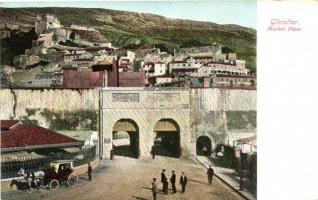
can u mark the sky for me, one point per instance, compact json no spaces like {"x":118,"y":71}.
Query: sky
{"x":241,"y":12}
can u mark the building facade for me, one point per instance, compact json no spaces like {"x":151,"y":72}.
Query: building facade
{"x":179,"y":119}
{"x":145,"y":113}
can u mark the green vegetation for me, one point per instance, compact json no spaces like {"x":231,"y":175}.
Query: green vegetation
{"x":26,"y":120}
{"x":71,"y":120}
{"x":241,"y":120}
{"x":31,"y":111}
{"x":79,"y":135}
{"x":132,"y":30}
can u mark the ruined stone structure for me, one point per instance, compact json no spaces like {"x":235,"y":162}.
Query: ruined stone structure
{"x":23,"y":61}
{"x":44,"y":23}
{"x":214,"y":50}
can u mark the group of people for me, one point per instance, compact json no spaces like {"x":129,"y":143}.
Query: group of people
{"x":183,"y":182}
{"x":165,"y":183}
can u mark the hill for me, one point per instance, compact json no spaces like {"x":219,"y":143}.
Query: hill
{"x":134,"y":30}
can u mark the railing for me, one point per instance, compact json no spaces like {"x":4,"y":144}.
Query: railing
{"x":10,"y":167}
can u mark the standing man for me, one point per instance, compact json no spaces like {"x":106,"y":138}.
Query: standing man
{"x":154,"y":189}
{"x":166,"y":186}
{"x":183,"y":181}
{"x":153,"y":152}
{"x":210,"y":174}
{"x":29,"y":181}
{"x":89,"y":171}
{"x":173,"y":182}
{"x":205,"y":151}
{"x":163,"y":179}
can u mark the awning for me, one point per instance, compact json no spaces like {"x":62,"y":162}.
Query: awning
{"x":124,"y":126}
{"x":165,"y":126}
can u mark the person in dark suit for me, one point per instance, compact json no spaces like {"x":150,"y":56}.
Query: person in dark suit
{"x":173,"y":182}
{"x":89,"y":171}
{"x":183,"y":181}
{"x":163,"y":179}
{"x":60,"y":170}
{"x":166,"y":186}
{"x":153,"y":152}
{"x":210,"y":174}
{"x":154,"y":189}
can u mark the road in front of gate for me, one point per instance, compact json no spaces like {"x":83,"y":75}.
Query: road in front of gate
{"x":130,"y":179}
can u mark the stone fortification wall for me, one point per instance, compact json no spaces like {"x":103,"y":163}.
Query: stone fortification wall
{"x":51,"y":108}
{"x":218,"y":113}
{"x":222,"y":115}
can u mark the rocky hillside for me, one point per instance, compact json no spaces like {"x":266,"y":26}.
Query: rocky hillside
{"x":134,"y":30}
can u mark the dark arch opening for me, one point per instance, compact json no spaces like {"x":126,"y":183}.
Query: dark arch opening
{"x":167,"y":138}
{"x":72,"y":36}
{"x":126,"y":138}
{"x":203,"y":146}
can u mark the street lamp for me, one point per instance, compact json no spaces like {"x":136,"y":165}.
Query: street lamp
{"x":239,"y":146}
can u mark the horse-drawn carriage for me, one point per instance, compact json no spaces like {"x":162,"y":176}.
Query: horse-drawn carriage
{"x":51,"y":177}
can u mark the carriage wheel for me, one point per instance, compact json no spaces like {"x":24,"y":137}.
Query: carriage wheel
{"x":54,"y":184}
{"x":72,"y":180}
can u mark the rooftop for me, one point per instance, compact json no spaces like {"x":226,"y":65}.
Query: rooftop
{"x":7,"y":124}
{"x":30,"y":136}
{"x":97,"y":48}
{"x":78,"y":135}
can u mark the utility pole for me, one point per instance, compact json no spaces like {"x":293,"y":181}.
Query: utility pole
{"x":241,"y":172}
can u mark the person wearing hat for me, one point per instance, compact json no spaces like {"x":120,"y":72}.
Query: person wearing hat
{"x":153,"y":152}
{"x":166,"y":186}
{"x":183,"y":181}
{"x":89,"y":171}
{"x":210,"y":174}
{"x":163,"y":180}
{"x":154,"y":189}
{"x":173,"y":182}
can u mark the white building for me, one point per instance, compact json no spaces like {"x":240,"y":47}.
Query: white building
{"x":45,"y":81}
{"x":106,"y":59}
{"x":163,"y":79}
{"x":153,"y":68}
{"x":158,"y":57}
{"x":187,"y":64}
{"x":76,"y":55}
{"x":91,"y":140}
{"x":235,"y":68}
{"x":125,"y":54}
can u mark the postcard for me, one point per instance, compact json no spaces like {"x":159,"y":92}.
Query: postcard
{"x":129,"y":99}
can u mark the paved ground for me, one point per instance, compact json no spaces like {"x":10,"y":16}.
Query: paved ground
{"x":228,"y":175}
{"x":128,"y":178}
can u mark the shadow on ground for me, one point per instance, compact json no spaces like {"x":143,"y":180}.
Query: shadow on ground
{"x":139,"y":198}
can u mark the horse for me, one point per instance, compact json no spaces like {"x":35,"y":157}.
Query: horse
{"x":31,"y":177}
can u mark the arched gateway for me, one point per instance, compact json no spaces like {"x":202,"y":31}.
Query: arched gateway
{"x":167,"y":138}
{"x":148,"y":116}
{"x":126,"y":138}
{"x":203,"y":146}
